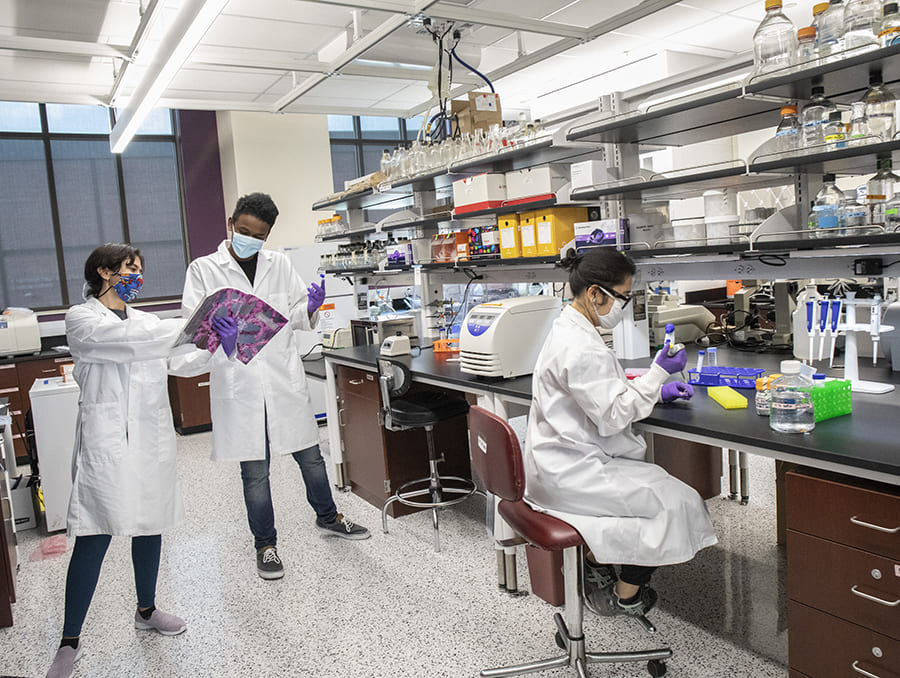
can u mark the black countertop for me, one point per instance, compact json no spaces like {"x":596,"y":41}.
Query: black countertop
{"x":867,"y":439}
{"x":45,"y":353}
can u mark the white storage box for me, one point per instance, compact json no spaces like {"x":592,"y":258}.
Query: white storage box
{"x":22,"y":494}
{"x":588,"y":173}
{"x":481,"y":192}
{"x":602,"y":232}
{"x":534,"y":183}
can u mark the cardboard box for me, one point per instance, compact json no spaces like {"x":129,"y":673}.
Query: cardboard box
{"x":399,"y":254}
{"x":535,"y":183}
{"x":479,"y":111}
{"x":527,"y":234}
{"x":598,"y":233}
{"x":510,"y":240}
{"x":462,"y":246}
{"x":484,"y":242}
{"x":443,"y":248}
{"x":481,"y":192}
{"x":588,"y":173}
{"x":554,"y":227}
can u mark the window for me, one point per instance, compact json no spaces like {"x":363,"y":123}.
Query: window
{"x":63,"y":193}
{"x":357,"y":143}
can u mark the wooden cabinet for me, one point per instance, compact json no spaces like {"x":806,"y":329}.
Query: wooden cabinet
{"x":189,"y":398}
{"x":843,"y":548}
{"x":16,"y":379}
{"x":378,"y":461}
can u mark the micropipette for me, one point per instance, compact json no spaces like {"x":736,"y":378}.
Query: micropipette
{"x":823,"y":320}
{"x":875,"y":327}
{"x":832,"y":328}
{"x":810,"y":326}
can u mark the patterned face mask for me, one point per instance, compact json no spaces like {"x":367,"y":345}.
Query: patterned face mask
{"x":128,"y":286}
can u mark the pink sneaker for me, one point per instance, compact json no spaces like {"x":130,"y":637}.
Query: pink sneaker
{"x":167,"y":624}
{"x":63,"y":665}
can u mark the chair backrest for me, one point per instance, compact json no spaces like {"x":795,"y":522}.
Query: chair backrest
{"x":394,"y":378}
{"x":496,"y":454}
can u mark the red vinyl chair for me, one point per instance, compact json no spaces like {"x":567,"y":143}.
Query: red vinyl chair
{"x":497,"y":458}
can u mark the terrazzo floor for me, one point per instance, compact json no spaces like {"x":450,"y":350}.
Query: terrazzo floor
{"x":388,"y":606}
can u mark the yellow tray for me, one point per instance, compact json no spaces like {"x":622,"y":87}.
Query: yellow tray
{"x":727,"y":397}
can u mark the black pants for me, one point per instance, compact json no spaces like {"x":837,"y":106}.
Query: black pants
{"x":636,"y":575}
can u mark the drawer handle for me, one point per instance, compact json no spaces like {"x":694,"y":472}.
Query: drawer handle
{"x":356,"y":382}
{"x":862,"y":523}
{"x":50,"y":371}
{"x":201,"y":384}
{"x":856,"y":668}
{"x":874,"y":599}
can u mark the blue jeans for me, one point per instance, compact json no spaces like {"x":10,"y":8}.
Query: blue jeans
{"x":258,"y":495}
{"x":84,"y":571}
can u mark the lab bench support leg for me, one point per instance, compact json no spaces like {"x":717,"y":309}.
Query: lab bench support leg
{"x":744,"y":463}
{"x":733,"y":474}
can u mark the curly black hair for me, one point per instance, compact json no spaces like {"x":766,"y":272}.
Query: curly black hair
{"x":259,"y":205}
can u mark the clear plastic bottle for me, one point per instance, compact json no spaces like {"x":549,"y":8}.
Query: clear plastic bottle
{"x":889,"y":30}
{"x":791,"y":407}
{"x":806,"y":47}
{"x":774,"y":42}
{"x":892,"y":214}
{"x":787,"y":136}
{"x":862,"y":19}
{"x":826,"y":206}
{"x":814,"y":117}
{"x":880,"y":108}
{"x":851,"y":215}
{"x":831,"y":30}
{"x":818,"y":10}
{"x":859,"y":124}
{"x":880,"y":189}
{"x":712,"y":359}
{"x":835,"y":132}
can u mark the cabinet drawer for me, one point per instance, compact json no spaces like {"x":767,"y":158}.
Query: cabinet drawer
{"x":13,"y":396}
{"x":845,"y":582}
{"x":357,"y":382}
{"x":822,"y":646}
{"x":863,"y":517}
{"x":8,"y":376}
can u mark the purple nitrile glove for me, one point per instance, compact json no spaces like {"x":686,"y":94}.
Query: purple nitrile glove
{"x":671,"y":364}
{"x":227,"y":329}
{"x":675,"y":390}
{"x":316,"y":296}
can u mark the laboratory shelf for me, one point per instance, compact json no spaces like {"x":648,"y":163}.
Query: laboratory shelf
{"x":851,"y":160}
{"x":733,"y":109}
{"x":367,"y":199}
{"x":512,"y":208}
{"x":347,"y":235}
{"x":858,"y":243}
{"x":520,"y":262}
{"x":425,"y":222}
{"x":669,"y":252}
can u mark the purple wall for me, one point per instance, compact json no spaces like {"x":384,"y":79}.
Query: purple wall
{"x":203,"y":196}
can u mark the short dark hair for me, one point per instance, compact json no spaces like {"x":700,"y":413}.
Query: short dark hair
{"x":604,"y":266}
{"x":109,"y":256}
{"x":259,"y":205}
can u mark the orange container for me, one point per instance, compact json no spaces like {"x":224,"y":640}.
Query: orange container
{"x":462,"y":246}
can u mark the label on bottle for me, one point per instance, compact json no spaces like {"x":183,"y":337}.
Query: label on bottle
{"x":890,"y":36}
{"x":787,"y":131}
{"x":835,"y":139}
{"x":827,"y":216}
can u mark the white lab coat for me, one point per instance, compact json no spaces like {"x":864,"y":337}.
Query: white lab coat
{"x":584,"y":464}
{"x":270,"y":389}
{"x":124,"y":480}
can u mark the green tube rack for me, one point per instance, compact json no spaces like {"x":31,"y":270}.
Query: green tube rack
{"x":832,"y":399}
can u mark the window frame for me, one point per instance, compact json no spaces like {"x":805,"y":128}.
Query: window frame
{"x":47,"y":137}
{"x":359,"y":142}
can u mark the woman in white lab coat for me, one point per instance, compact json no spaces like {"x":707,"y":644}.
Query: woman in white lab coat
{"x":123,"y":467}
{"x":584,"y":464}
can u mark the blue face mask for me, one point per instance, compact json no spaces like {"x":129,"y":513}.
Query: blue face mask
{"x":244,"y":246}
{"x":128,"y":286}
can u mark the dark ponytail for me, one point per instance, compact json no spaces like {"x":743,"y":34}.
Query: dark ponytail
{"x":604,"y":266}
{"x":109,"y":256}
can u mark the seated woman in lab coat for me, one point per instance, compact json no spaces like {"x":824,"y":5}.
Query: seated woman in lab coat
{"x":584,"y":464}
{"x":123,"y":466}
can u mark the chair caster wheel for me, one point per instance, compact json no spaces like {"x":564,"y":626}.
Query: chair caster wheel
{"x":559,"y":641}
{"x":656,"y":668}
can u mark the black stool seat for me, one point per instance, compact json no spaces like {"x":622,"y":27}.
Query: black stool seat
{"x":426,"y":408}
{"x":539,"y":529}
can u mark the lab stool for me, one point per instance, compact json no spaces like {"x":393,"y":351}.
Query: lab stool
{"x":422,"y":410}
{"x":498,"y":459}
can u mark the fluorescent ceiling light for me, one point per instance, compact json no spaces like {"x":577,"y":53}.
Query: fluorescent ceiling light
{"x":183,"y":36}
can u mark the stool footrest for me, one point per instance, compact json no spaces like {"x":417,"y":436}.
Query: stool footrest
{"x":466,"y":488}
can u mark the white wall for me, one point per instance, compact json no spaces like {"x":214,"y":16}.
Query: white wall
{"x":287,"y":156}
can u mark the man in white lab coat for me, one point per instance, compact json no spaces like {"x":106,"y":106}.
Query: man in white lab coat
{"x":263,"y":408}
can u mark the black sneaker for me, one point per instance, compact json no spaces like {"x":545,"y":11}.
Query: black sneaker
{"x":268,"y":564}
{"x":599,"y":581}
{"x":343,"y":528}
{"x":638,"y":606}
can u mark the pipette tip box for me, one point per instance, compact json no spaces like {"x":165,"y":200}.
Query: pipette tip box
{"x":727,"y":397}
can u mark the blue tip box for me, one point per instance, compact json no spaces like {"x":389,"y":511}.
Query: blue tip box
{"x":736,"y":377}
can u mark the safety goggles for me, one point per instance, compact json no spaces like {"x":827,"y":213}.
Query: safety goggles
{"x":624,"y":298}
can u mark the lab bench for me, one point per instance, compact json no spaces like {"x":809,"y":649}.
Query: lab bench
{"x":841,"y":500}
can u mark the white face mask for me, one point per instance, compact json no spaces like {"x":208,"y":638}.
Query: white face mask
{"x":613,"y":317}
